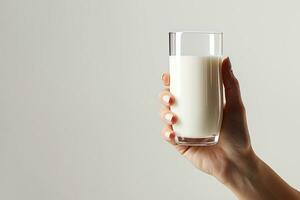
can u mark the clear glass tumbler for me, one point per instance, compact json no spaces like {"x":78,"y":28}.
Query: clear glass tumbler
{"x":196,"y":83}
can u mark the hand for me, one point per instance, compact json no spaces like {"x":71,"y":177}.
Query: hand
{"x":232,"y":161}
{"x":233,"y":150}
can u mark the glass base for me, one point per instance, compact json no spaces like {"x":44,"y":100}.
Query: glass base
{"x":205,"y":141}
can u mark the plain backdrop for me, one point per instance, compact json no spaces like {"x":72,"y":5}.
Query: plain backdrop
{"x":79,"y":84}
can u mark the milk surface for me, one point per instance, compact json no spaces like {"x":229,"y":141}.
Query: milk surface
{"x":196,"y":84}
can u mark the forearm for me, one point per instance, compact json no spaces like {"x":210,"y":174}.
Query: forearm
{"x":256,"y":180}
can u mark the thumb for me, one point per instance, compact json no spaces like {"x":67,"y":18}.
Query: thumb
{"x":231,"y":85}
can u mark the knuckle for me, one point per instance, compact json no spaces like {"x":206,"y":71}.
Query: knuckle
{"x":235,"y":83}
{"x":240,"y":108}
{"x":237,"y":107}
{"x":243,"y":110}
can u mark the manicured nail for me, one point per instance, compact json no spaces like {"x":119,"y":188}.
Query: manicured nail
{"x":169,"y":135}
{"x":170,"y":118}
{"x":166,"y":98}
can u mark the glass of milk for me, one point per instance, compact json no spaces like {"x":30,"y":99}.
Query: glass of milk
{"x":196,"y":83}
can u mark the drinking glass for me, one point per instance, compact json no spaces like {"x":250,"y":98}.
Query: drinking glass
{"x":195,"y":59}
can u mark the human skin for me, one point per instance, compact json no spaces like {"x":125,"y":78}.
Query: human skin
{"x":232,"y":160}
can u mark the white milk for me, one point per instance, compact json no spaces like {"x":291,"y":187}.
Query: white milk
{"x":196,"y":84}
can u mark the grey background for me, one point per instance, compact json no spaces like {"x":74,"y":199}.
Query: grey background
{"x":79,"y":81}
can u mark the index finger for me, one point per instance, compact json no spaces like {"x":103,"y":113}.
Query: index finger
{"x":166,"y":79}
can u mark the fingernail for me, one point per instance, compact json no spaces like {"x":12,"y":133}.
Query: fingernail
{"x":170,"y":118}
{"x":166,"y":99}
{"x":169,"y":135}
{"x":162,"y":76}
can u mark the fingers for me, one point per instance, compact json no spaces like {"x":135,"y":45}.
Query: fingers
{"x":168,"y":134}
{"x":167,"y":116}
{"x":231,"y":85}
{"x":166,"y":79}
{"x":166,"y":98}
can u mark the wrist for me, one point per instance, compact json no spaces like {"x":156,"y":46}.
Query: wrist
{"x":251,"y":178}
{"x":242,"y":172}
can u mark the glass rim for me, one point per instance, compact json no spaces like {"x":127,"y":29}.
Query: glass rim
{"x":198,"y":31}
